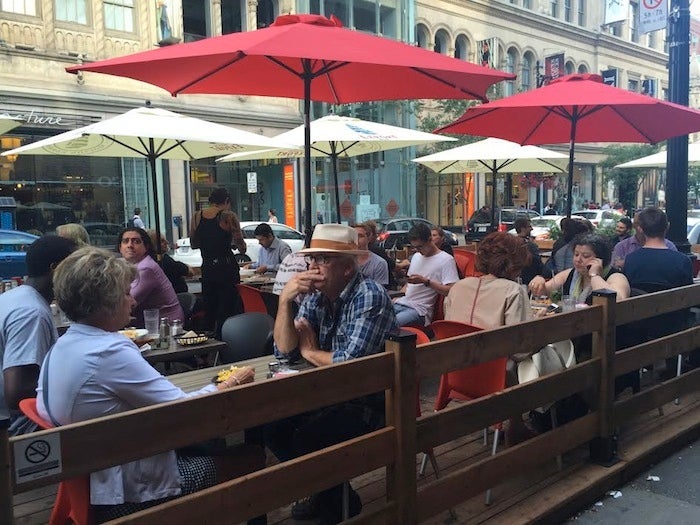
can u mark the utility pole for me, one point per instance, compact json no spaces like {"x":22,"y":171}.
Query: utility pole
{"x":677,"y":147}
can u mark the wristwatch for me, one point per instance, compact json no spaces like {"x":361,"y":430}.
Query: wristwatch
{"x":593,"y":275}
{"x":427,"y":283}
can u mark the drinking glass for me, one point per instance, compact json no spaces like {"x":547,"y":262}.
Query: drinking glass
{"x":568,"y":303}
{"x":151,"y":317}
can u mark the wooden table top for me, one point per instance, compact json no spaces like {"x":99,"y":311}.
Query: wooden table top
{"x":196,"y":379}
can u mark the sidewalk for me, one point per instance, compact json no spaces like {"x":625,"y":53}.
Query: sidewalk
{"x":673,"y":499}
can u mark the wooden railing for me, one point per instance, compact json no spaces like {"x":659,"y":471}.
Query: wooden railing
{"x":96,"y":444}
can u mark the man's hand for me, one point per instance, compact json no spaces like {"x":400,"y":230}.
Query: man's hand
{"x":261,"y":269}
{"x":301,"y":283}
{"x":308,"y":341}
{"x":416,"y":279}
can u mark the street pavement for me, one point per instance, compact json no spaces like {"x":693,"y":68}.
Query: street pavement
{"x":673,"y":499}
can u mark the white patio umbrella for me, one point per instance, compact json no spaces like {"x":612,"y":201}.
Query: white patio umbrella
{"x":7,"y":123}
{"x":151,"y":133}
{"x":335,"y":136}
{"x":658,"y":160}
{"x":495,"y":156}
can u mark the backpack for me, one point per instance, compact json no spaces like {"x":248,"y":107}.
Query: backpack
{"x":130,"y":223}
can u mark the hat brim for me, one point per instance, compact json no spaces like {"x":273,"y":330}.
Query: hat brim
{"x":329,"y":250}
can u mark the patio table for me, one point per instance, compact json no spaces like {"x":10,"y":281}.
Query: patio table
{"x":178,"y":352}
{"x":196,"y":379}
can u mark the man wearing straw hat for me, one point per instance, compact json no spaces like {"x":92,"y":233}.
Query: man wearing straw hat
{"x":344,"y":316}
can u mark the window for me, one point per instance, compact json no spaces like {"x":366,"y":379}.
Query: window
{"x":364,"y":17}
{"x":582,"y":12}
{"x":634,"y":16}
{"x":651,"y":40}
{"x":119,"y":15}
{"x":510,"y":68}
{"x":71,"y":11}
{"x":527,"y":4}
{"x":265,"y":13}
{"x":441,"y":40}
{"x":567,"y":10}
{"x":526,"y":75}
{"x":633,"y":85}
{"x":461,"y":47}
{"x":554,"y":8}
{"x":21,"y":7}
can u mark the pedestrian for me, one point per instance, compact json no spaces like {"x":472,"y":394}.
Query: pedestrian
{"x":271,"y":216}
{"x":136,"y":220}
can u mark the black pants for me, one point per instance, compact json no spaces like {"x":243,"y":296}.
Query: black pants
{"x":220,"y":294}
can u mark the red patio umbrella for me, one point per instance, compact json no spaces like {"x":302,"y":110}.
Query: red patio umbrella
{"x":308,"y":57}
{"x":577,"y":108}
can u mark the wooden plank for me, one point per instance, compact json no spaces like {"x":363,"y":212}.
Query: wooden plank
{"x":656,"y":396}
{"x":129,"y":436}
{"x":604,"y":349}
{"x":5,"y":474}
{"x":458,"y":486}
{"x":178,"y":352}
{"x":469,"y":417}
{"x":401,"y":413}
{"x":644,"y":354}
{"x":252,"y":495}
{"x":379,"y":516}
{"x":479,"y":347}
{"x":650,"y":305}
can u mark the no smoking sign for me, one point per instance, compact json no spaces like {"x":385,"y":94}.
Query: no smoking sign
{"x":37,"y":457}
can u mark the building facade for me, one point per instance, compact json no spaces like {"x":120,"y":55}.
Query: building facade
{"x":535,"y":39}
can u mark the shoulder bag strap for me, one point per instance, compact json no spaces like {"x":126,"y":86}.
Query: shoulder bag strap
{"x":476,"y":294}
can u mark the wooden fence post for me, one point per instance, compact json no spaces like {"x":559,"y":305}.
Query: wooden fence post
{"x":401,"y":413}
{"x":603,"y":449}
{"x":6,"y":510}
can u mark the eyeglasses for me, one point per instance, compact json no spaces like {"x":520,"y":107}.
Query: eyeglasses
{"x":319,"y":259}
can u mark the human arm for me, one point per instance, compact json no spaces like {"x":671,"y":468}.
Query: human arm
{"x":285,"y":333}
{"x":308,"y":344}
{"x":442,"y":289}
{"x":229,"y":222}
{"x":144,"y":284}
{"x":540,"y":286}
{"x":19,"y":383}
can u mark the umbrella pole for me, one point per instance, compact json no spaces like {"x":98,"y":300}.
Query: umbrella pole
{"x":493,"y":199}
{"x":572,"y":143}
{"x":334,"y":160}
{"x":307,"y":154}
{"x":156,"y":209}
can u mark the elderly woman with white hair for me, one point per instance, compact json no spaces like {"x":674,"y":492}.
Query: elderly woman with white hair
{"x":94,"y":371}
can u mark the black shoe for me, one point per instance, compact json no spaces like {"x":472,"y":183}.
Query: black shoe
{"x":331,"y":512}
{"x":305,"y":509}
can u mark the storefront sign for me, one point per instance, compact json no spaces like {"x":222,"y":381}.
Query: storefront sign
{"x":289,"y":204}
{"x":554,"y":66}
{"x":653,"y":15}
{"x":609,"y":77}
{"x":47,"y":120}
{"x":616,"y":10}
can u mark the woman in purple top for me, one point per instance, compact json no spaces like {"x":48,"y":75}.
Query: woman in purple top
{"x":151,"y":288}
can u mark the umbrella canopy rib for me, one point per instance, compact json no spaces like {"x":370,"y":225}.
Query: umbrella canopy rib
{"x":467,"y":92}
{"x":203,"y":76}
{"x":639,"y":130}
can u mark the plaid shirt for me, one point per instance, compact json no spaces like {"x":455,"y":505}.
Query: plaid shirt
{"x":354,"y":325}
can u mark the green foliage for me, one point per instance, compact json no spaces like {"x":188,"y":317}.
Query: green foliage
{"x":627,"y":181}
{"x":554,"y":232}
{"x":694,"y":183}
{"x":606,"y":231}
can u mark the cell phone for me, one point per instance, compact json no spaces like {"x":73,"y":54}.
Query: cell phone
{"x":554,"y":307}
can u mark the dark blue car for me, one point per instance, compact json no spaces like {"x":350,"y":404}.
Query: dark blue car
{"x":13,"y":252}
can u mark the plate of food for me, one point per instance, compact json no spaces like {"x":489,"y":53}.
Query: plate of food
{"x":247,"y":272}
{"x":224,"y":374}
{"x":134,"y":333}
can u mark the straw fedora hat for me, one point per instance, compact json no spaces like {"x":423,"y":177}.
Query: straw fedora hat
{"x":333,"y":238}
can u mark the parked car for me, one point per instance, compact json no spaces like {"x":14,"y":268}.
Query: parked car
{"x":393,"y":233}
{"x":600,"y":218}
{"x":103,"y":234}
{"x":694,"y":233}
{"x":505,"y":218}
{"x":541,"y":226}
{"x":13,"y":252}
{"x":193,"y":257}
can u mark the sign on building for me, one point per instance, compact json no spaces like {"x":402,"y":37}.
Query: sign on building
{"x":609,"y":77}
{"x":653,"y":15}
{"x":554,"y":67}
{"x":252,"y":182}
{"x":616,"y":11}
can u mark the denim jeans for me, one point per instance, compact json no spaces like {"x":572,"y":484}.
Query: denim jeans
{"x":405,"y":315}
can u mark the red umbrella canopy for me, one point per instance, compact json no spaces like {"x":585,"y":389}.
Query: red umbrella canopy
{"x":582,"y":104}
{"x":577,"y":108}
{"x":343,"y":65}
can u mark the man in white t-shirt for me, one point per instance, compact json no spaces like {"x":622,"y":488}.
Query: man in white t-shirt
{"x":431,"y":272}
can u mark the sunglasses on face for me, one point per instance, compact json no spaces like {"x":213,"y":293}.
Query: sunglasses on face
{"x":319,"y":259}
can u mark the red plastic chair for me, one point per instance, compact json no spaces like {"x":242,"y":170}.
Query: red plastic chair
{"x":466,"y":263}
{"x":471,"y":382}
{"x":252,"y":299}
{"x":72,"y":505}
